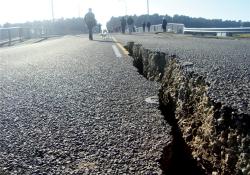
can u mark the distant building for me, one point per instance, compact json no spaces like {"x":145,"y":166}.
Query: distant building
{"x":221,"y":34}
{"x":175,"y":27}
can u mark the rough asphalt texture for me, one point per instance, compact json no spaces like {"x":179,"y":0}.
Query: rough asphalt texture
{"x":225,"y":63}
{"x":69,"y":106}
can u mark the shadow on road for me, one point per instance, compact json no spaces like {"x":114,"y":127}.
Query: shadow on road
{"x":100,"y":40}
{"x":108,"y":40}
{"x":43,"y":39}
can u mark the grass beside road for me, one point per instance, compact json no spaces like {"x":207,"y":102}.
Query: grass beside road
{"x":242,"y":35}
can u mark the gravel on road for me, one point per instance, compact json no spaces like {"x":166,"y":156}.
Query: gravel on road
{"x":69,"y":106}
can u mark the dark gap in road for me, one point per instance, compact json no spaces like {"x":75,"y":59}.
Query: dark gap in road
{"x":179,"y":161}
{"x":139,"y":65}
{"x":176,"y":158}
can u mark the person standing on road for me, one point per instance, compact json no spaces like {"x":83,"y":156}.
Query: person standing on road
{"x":91,"y":22}
{"x":123,"y":24}
{"x":100,"y":28}
{"x":130,"y":22}
{"x":164,"y":25}
{"x":143,"y":26}
{"x":148,"y":26}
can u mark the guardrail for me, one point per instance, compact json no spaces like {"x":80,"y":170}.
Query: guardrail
{"x":6,"y":35}
{"x":180,"y":28}
{"x":217,"y":31}
{"x":14,"y":34}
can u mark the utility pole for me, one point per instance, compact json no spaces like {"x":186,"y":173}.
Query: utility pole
{"x":126,"y":8}
{"x":125,"y":5}
{"x":148,"y":6}
{"x":79,"y":11}
{"x":79,"y":8}
{"x":52,"y":10}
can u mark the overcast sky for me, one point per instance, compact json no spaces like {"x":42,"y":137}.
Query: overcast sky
{"x":28,"y":10}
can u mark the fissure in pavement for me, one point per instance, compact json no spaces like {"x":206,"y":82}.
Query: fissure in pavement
{"x":176,"y":157}
{"x":209,"y":138}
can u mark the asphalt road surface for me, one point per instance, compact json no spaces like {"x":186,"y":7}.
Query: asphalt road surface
{"x":73,"y":106}
{"x":225,"y":63}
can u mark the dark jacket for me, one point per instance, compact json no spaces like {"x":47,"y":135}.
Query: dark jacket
{"x":130,"y":20}
{"x":123,"y":22}
{"x":148,"y":24}
{"x":90,"y":19}
{"x":164,"y":23}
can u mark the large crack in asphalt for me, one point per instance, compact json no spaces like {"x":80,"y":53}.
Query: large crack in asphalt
{"x":215,"y":134}
{"x":176,"y":157}
{"x":209,"y":136}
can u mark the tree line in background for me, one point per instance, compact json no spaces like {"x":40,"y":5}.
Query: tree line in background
{"x":57,"y":27}
{"x":77,"y":25}
{"x":114,"y":24}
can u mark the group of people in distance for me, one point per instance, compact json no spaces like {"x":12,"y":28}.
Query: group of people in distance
{"x":91,"y":22}
{"x":130,"y":23}
{"x":144,"y":26}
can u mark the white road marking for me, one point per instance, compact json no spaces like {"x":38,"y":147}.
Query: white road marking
{"x":125,"y":52}
{"x":116,"y":51}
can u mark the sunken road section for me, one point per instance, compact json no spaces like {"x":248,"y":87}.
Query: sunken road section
{"x":204,"y":94}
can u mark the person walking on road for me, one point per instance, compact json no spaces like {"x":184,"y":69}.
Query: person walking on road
{"x":123,"y":24}
{"x":130,"y":22}
{"x":164,"y":25}
{"x":143,"y":26}
{"x":148,"y":26}
{"x":91,"y":22}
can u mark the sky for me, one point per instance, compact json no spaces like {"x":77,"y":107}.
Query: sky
{"x":14,"y":11}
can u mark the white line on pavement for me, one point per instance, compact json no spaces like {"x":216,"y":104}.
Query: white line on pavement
{"x":116,"y":51}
